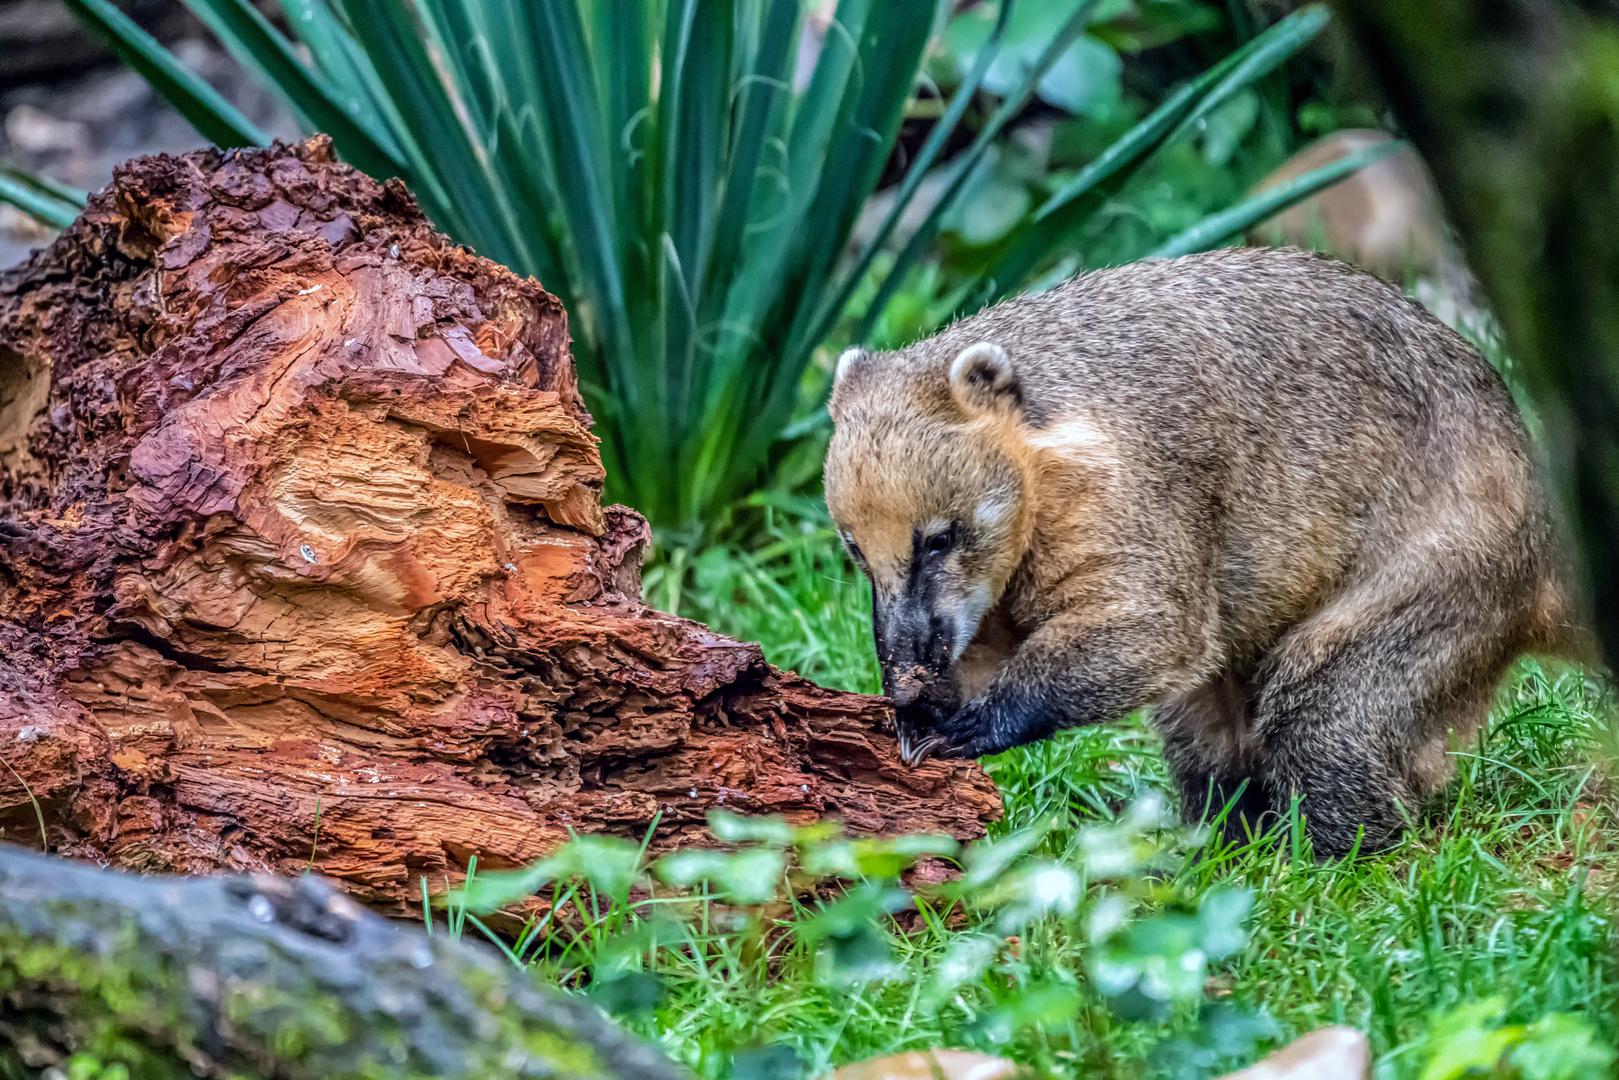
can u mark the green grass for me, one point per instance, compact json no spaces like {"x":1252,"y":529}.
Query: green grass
{"x":1492,"y":920}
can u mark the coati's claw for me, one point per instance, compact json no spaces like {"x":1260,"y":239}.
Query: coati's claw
{"x":922,"y":750}
{"x":916,"y":730}
{"x":962,"y":734}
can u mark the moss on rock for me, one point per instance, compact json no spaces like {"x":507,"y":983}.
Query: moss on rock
{"x":104,"y":974}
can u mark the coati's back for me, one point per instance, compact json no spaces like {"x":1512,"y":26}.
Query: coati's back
{"x":1284,"y":427}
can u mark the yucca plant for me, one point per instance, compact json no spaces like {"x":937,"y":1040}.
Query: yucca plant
{"x":651,"y":163}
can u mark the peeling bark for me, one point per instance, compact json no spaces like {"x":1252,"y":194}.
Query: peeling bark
{"x":301,"y":531}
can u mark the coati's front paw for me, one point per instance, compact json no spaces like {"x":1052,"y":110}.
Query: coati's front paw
{"x":989,"y":725}
{"x":916,"y":726}
{"x":968,"y":733}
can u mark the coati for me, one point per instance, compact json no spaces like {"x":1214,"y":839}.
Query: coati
{"x":1256,"y":489}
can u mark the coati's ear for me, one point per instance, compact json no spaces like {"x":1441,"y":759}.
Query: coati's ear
{"x":851,"y":360}
{"x":982,"y":379}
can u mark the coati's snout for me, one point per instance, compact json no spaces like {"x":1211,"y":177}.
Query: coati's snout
{"x":926,"y":607}
{"x":932,"y":507}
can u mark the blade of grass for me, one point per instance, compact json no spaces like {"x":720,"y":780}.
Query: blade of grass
{"x":346,"y":66}
{"x":46,"y":185}
{"x":962,"y":168}
{"x":693,"y":101}
{"x":891,"y":48}
{"x":39,"y":814}
{"x":479,"y":215}
{"x":567,"y":86}
{"x":43,"y":206}
{"x":1256,"y":208}
{"x":758,"y":97}
{"x":216,"y":119}
{"x":915,"y":174}
{"x":259,"y":47}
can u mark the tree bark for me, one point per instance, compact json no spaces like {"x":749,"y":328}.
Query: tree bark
{"x":265,"y":977}
{"x":302,"y":554}
{"x":1515,"y":106}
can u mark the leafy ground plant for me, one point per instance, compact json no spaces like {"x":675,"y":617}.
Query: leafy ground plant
{"x":666,"y":169}
{"x":1109,"y":945}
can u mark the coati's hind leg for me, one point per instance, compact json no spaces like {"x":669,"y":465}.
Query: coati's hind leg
{"x":1355,"y":705}
{"x":1208,"y":746}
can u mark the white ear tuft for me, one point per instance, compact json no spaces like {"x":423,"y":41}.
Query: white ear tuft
{"x":982,"y":379}
{"x":849,"y":359}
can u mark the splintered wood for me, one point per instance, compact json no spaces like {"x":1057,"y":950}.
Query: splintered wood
{"x":301,"y":530}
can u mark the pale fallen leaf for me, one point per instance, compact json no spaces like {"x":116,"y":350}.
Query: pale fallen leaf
{"x":1335,"y":1053}
{"x":930,"y":1065}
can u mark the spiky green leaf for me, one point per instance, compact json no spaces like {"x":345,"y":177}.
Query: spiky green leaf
{"x":216,"y":119}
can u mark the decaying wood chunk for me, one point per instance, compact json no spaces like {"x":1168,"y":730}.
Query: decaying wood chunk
{"x":300,"y":531}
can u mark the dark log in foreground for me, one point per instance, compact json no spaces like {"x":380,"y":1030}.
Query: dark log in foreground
{"x":302,"y":551}
{"x":266,"y":977}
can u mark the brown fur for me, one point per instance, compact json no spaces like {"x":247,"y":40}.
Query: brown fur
{"x":1257,"y":489}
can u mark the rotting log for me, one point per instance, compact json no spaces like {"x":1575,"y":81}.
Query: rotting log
{"x":268,"y":977}
{"x":302,"y":554}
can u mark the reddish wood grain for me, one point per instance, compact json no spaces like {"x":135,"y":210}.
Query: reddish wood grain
{"x":299,"y":506}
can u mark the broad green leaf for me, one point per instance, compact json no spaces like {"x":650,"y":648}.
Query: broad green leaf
{"x":494,"y":889}
{"x":1220,"y":916}
{"x":1031,"y":891}
{"x":987,"y":859}
{"x":1468,"y":1038}
{"x":966,"y":959}
{"x":860,"y":907}
{"x":736,"y":828}
{"x":1082,"y":79}
{"x":1049,"y":1004}
{"x":1226,"y":127}
{"x":609,"y":863}
{"x":216,"y":119}
{"x":749,"y":876}
{"x":1124,"y":846}
{"x":990,"y":211}
{"x":1085,"y":79}
{"x":1562,"y":1047}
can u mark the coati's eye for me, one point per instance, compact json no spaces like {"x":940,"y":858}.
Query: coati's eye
{"x":854,"y":548}
{"x":940,"y":542}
